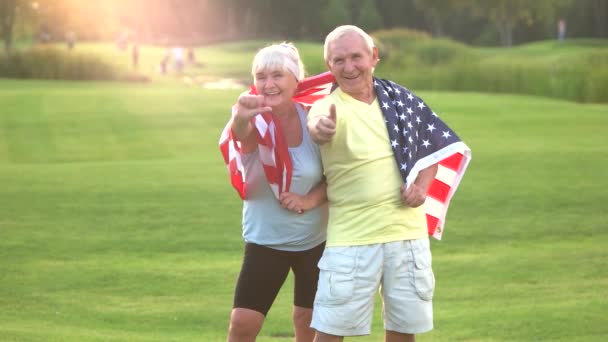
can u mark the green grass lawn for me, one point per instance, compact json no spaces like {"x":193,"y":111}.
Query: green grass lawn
{"x":117,"y":221}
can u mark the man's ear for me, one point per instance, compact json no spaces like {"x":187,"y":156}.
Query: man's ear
{"x":375,"y":56}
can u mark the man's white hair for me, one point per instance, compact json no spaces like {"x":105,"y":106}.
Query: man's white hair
{"x":279,"y":56}
{"x":340,"y":31}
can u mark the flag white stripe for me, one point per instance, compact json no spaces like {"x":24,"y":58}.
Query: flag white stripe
{"x":261,"y":125}
{"x":435,"y":208}
{"x":267,"y":155}
{"x":446,"y":175}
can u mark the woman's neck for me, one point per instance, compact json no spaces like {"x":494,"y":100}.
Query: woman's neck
{"x":285,"y":110}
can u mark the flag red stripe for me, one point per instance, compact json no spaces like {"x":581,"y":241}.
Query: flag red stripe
{"x":452,"y":162}
{"x":225,"y":148}
{"x":438,"y":190}
{"x":314,"y":82}
{"x":284,"y":160}
{"x":432,"y":222}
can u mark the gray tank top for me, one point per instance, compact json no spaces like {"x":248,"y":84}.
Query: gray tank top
{"x":265,"y":222}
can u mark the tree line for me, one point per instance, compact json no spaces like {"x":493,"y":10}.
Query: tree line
{"x":477,"y":22}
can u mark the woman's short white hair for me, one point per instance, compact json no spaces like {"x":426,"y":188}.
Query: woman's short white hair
{"x":282,"y":56}
{"x":340,"y":31}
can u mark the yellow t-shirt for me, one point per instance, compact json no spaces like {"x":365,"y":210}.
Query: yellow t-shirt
{"x":363,"y":181}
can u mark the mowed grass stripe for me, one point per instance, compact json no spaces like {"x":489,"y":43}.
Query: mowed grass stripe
{"x":114,"y":123}
{"x":27,"y":131}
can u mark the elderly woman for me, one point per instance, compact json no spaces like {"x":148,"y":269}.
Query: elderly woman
{"x":283,"y":221}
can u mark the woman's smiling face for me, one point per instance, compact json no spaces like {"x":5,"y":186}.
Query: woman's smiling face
{"x":277,"y":85}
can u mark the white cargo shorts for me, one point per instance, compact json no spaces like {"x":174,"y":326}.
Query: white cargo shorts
{"x":350,"y":276}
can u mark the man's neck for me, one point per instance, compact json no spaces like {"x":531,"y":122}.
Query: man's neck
{"x":368,"y":96}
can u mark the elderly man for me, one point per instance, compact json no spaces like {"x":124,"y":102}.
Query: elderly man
{"x":380,"y":152}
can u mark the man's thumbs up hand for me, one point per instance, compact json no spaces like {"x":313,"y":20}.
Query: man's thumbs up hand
{"x":323,"y":127}
{"x":332,"y":113}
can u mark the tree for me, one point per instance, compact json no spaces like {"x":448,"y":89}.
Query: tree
{"x":310,"y":14}
{"x":600,"y":11}
{"x":436,"y":13}
{"x":369,"y":18}
{"x":337,"y":12}
{"x":506,"y":15}
{"x":8,"y":11}
{"x":588,"y":18}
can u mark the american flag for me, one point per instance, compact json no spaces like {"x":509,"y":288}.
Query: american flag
{"x":420,"y":139}
{"x":272,"y":145}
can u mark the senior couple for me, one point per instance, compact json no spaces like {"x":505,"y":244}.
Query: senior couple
{"x":335,"y":193}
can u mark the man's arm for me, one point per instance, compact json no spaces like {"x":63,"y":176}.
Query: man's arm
{"x":415,"y":194}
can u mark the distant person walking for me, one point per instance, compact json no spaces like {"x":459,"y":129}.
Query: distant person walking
{"x":178,"y":59}
{"x":135,"y":55}
{"x":164,"y":62}
{"x":561,"y":30}
{"x":191,"y":56}
{"x":70,"y":40}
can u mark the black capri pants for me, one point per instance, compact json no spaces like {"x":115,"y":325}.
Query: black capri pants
{"x":264,"y":271}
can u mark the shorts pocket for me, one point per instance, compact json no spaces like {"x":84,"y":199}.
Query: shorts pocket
{"x":424,"y":279}
{"x":336,"y":276}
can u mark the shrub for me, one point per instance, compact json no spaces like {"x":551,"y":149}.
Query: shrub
{"x":577,"y":72}
{"x":397,"y":41}
{"x":58,"y":64}
{"x":442,"y":51}
{"x":398,"y":37}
